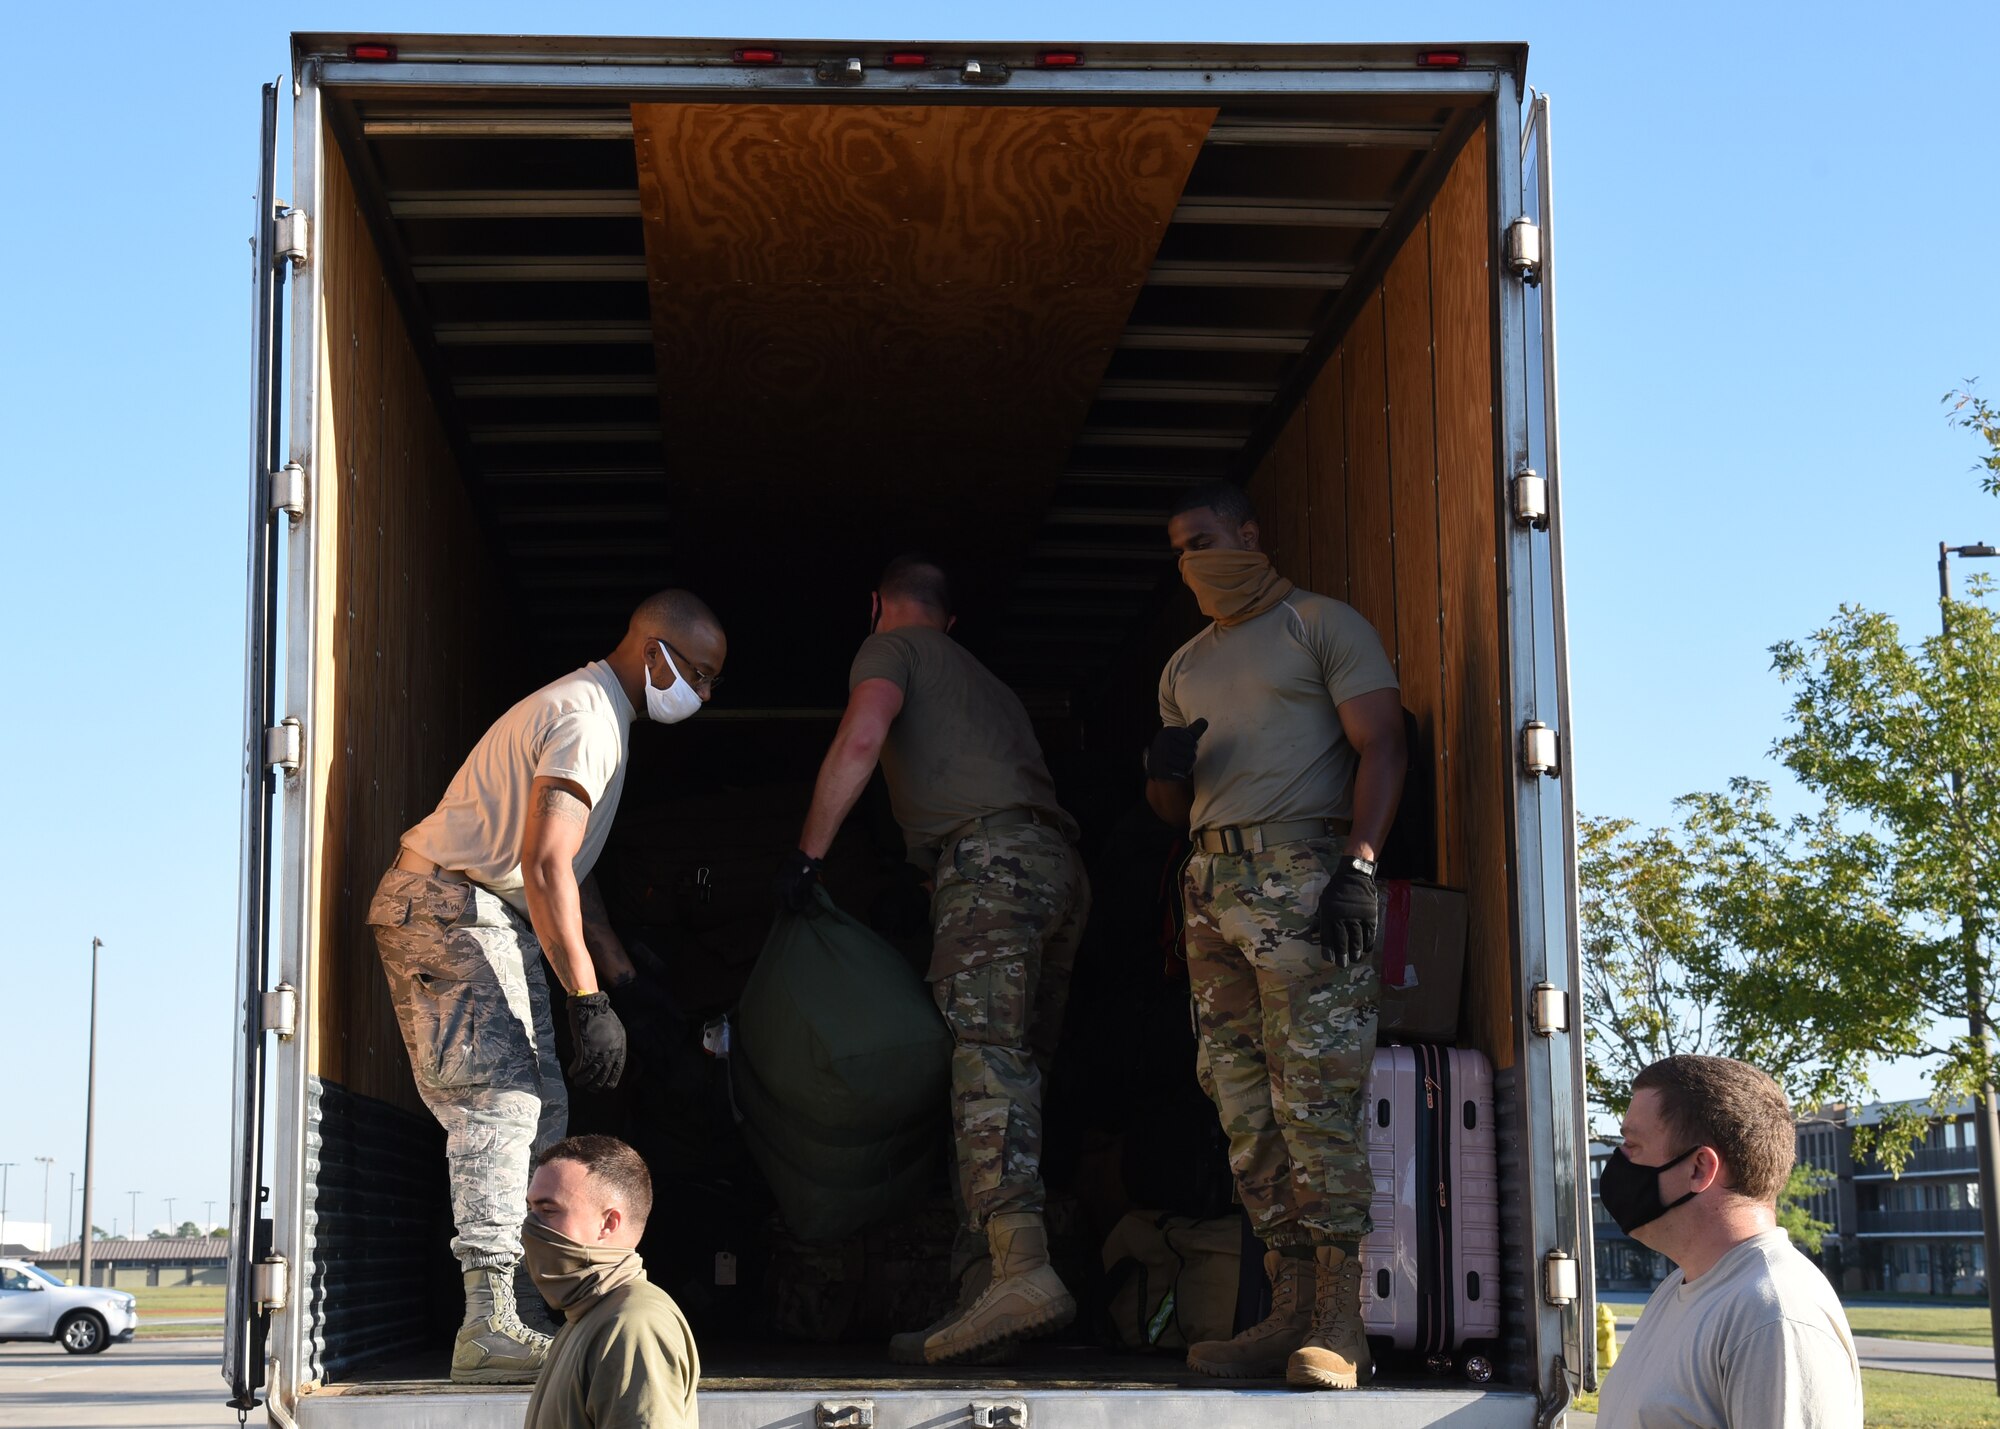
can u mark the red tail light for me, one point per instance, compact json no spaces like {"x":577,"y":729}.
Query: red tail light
{"x":908,"y":59}
{"x":1442,"y":59}
{"x":371,"y":50}
{"x":1060,"y":59}
{"x":758,"y":55}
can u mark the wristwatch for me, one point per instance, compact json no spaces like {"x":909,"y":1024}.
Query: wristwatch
{"x":1360,"y":864}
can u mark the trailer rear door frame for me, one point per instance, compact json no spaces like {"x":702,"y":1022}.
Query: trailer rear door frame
{"x":1558,"y":1295}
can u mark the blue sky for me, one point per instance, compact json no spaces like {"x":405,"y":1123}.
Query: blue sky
{"x":1775,"y":243}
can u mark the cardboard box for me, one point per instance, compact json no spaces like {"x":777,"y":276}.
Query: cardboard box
{"x":1423,"y":960}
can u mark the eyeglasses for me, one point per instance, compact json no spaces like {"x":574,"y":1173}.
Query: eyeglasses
{"x":696,"y":676}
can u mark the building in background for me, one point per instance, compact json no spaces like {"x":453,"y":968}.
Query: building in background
{"x":1916,"y":1233}
{"x":126,"y":1264}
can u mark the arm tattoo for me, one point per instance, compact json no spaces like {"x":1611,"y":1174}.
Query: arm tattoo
{"x":552,"y":803}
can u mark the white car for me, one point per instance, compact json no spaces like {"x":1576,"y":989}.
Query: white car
{"x":35,"y":1305}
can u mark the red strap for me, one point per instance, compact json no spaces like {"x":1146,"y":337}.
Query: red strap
{"x":1396,"y":932}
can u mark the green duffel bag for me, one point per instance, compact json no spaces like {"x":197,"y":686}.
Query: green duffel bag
{"x":843,"y":1073}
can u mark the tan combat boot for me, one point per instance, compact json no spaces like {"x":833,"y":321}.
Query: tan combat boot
{"x":908,"y":1347}
{"x":1262,"y":1351}
{"x":1026,"y":1297}
{"x":493,"y":1346}
{"x":1335,"y":1355}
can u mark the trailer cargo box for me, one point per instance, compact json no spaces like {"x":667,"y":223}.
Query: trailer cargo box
{"x":544,"y":325}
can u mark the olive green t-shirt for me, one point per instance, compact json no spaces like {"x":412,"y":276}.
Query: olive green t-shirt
{"x":1274,"y":749}
{"x":962,"y":748}
{"x":629,"y":1359}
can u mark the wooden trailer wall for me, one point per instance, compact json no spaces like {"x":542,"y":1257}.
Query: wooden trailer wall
{"x":413,"y":623}
{"x":1381,"y":491}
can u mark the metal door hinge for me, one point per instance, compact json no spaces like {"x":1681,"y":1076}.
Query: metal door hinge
{"x":1559,"y":1278}
{"x":848,"y":71}
{"x":288,"y":491}
{"x":844,"y":1414}
{"x":1000,"y":1414}
{"x":977,"y":73}
{"x":284,"y":745}
{"x":1531,"y":499}
{"x":1539,"y":750}
{"x":271,"y":1282}
{"x":292,"y":242}
{"x":1524,"y":250}
{"x":1551,"y":1009}
{"x":281,"y":1011}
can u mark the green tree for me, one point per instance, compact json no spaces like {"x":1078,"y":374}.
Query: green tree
{"x":1855,"y":931}
{"x":1648,"y":944}
{"x":1974,"y":413}
{"x":1795,"y":1209}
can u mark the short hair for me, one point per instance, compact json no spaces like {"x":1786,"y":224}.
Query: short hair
{"x":611,"y":1161}
{"x":1733,"y":1107}
{"x":1227,"y":500}
{"x":917,"y":578}
{"x":672,"y":610}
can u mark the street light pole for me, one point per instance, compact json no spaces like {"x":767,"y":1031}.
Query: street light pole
{"x":89,"y":1126}
{"x":135,"y":1195}
{"x":48,"y":1226}
{"x":5,"y":1166}
{"x":171,"y":1222}
{"x":69,"y":1211}
{"x":1985,"y":1111}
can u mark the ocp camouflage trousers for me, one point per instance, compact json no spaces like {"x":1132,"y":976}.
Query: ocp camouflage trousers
{"x":1008,"y":913}
{"x":1286,"y":1038}
{"x":465,"y":975}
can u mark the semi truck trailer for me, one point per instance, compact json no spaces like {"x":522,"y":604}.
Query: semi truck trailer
{"x":542,"y":325}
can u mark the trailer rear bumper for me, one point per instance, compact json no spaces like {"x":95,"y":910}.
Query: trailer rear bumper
{"x":959,"y":1407}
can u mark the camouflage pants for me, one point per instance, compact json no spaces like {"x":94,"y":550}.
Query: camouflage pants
{"x":465,"y":975}
{"x":1007,"y":916}
{"x":1286,"y":1040}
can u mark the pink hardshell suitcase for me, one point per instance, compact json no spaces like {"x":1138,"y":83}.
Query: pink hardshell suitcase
{"x":1431,"y":1267}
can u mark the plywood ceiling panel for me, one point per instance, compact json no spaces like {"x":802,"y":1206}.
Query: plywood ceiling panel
{"x":911,"y":304}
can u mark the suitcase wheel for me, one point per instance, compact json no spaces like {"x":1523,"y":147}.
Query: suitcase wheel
{"x":1478,"y":1369}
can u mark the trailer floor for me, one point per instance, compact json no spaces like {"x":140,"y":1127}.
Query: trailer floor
{"x":1051,"y":1389}
{"x":742,"y":1367}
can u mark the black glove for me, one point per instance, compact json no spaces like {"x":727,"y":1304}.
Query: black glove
{"x":600,"y":1043}
{"x":1348,"y":913}
{"x":793,"y":884}
{"x":1171,"y":756}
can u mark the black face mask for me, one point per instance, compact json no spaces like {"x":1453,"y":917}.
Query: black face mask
{"x":1631,"y":1193}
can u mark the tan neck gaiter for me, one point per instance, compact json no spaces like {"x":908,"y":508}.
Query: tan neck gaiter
{"x":573,"y":1276}
{"x":1232,"y":586}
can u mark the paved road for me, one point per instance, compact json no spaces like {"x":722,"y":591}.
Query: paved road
{"x":149,"y":1384}
{"x":1924,"y":1357}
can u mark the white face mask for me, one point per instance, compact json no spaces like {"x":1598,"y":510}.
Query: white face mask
{"x":677,"y":701}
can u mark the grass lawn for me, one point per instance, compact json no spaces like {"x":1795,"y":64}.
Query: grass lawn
{"x":176,"y":1302}
{"x":1927,"y":1401}
{"x":1909,"y":1401}
{"x":1944,"y":1324}
{"x":1904,"y":1401}
{"x":1938,"y":1324}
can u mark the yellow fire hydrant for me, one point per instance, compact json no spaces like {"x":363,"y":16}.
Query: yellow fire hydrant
{"x":1607,"y":1337}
